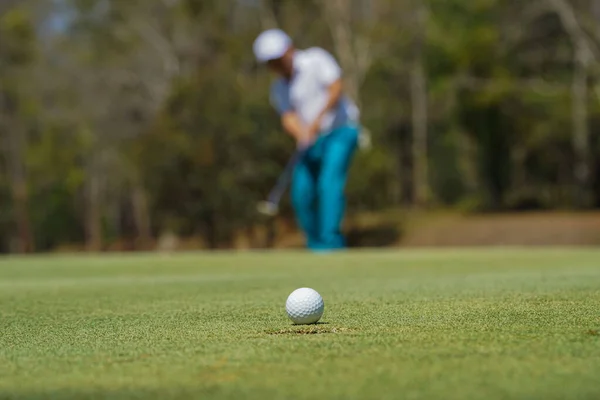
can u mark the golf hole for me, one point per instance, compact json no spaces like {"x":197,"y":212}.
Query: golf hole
{"x":316,"y":329}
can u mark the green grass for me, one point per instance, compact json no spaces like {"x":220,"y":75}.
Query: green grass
{"x":493,"y":324}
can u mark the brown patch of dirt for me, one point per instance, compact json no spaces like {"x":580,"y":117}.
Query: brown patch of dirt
{"x":534,"y":229}
{"x":308,"y":330}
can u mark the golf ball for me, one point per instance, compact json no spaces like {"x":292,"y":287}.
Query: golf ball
{"x":304,"y":306}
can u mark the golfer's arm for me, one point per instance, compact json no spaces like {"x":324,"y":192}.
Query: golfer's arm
{"x":292,"y":125}
{"x":335,"y":93}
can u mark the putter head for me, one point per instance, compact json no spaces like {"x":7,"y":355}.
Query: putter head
{"x":267,"y":208}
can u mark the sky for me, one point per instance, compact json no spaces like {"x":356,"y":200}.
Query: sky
{"x":58,"y":19}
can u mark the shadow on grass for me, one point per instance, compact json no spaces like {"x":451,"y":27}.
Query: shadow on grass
{"x":314,"y":329}
{"x":114,"y":394}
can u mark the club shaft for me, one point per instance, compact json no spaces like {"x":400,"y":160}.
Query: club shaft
{"x":284,"y":178}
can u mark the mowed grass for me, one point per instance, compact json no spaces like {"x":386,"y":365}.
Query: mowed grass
{"x":443,"y":324}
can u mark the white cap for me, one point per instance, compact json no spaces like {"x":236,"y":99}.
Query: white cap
{"x":271,"y":44}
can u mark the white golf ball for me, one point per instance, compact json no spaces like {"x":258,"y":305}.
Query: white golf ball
{"x":304,"y":306}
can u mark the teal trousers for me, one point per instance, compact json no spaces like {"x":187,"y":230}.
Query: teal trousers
{"x":318,"y":185}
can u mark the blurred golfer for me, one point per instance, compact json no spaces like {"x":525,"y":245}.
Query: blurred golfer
{"x":309,"y":97}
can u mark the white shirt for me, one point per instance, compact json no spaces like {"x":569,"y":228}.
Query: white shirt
{"x":308,"y":90}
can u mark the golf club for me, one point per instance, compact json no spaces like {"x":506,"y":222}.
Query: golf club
{"x":270,"y":207}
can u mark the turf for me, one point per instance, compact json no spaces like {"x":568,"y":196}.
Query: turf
{"x":493,"y":324}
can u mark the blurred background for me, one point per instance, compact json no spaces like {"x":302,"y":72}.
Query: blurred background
{"x":145,"y":124}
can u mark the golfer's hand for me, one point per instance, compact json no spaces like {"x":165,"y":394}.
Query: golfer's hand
{"x":315,"y":127}
{"x":303,"y":142}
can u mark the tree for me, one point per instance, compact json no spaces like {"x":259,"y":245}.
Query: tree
{"x":418,"y":78}
{"x":17,"y":48}
{"x":583,"y":57}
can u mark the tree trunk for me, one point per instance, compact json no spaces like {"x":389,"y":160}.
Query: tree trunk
{"x":338,"y":17}
{"x":354,"y":52}
{"x":210,"y":230}
{"x":268,"y":14}
{"x":583,"y":57}
{"x":141,"y":213}
{"x":579,"y":90}
{"x":419,"y":114}
{"x":15,"y":148}
{"x":93,"y":210}
{"x":21,"y":204}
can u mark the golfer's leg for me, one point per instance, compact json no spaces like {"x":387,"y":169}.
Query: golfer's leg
{"x":338,"y":152}
{"x":303,"y":193}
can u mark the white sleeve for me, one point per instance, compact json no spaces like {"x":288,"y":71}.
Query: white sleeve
{"x":327,"y":68}
{"x":280,"y":98}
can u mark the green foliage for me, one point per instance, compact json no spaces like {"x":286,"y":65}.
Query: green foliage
{"x":166,"y":97}
{"x":16,"y":38}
